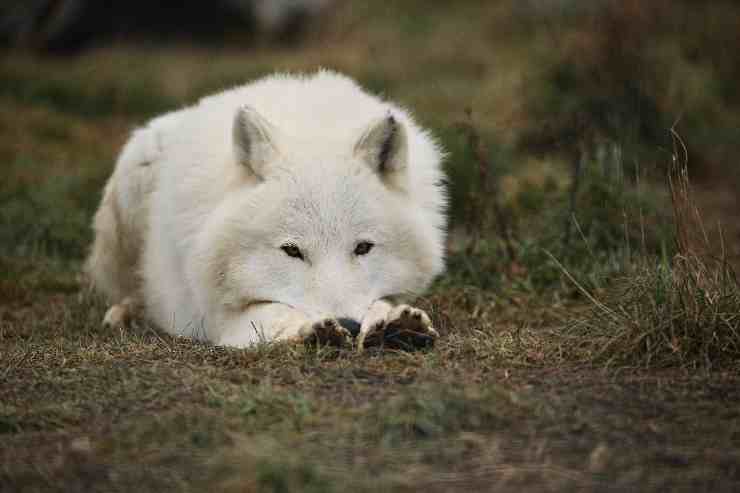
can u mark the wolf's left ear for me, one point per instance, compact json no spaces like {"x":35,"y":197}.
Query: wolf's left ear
{"x":383,"y":146}
{"x":253,"y":142}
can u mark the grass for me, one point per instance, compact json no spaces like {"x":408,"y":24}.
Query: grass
{"x":681,"y":314}
{"x":625,"y":379}
{"x":681,"y":311}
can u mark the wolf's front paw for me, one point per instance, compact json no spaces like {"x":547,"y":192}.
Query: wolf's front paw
{"x":402,"y":327}
{"x":325,"y":331}
{"x":407,"y":327}
{"x":371,"y":334}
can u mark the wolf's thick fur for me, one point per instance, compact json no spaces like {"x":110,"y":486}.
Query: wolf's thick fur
{"x":271,"y":210}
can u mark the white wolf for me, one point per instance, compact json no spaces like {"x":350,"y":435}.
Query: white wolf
{"x":294,"y":207}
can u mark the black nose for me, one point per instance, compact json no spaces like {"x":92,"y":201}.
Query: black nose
{"x":353,"y":326}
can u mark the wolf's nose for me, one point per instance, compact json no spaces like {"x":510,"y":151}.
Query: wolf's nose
{"x":353,"y":326}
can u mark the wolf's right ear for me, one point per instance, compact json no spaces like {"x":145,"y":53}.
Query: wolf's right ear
{"x":383,"y":146}
{"x":253,"y":143}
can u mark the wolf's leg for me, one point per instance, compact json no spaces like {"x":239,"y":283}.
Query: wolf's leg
{"x":373,"y":324}
{"x":120,"y":225}
{"x":111,"y":266}
{"x":276,"y":322}
{"x":403,"y":320}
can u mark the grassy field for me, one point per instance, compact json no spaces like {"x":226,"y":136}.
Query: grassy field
{"x":589,"y":319}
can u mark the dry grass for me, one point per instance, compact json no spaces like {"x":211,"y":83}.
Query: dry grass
{"x":681,"y":311}
{"x":684,"y":313}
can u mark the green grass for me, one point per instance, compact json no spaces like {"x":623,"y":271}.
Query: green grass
{"x":70,"y":93}
{"x":587,"y":343}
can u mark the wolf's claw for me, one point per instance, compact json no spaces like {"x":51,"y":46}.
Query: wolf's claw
{"x":404,"y":327}
{"x":326,"y":331}
{"x":408,"y":327}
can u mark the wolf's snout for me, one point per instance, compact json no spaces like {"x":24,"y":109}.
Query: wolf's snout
{"x":352,"y":325}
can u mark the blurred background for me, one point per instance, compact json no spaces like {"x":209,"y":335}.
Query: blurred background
{"x":562,"y":117}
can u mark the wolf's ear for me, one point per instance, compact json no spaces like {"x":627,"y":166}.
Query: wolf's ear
{"x":253,"y":142}
{"x":383,"y":146}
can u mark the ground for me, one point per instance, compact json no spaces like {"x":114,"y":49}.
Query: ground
{"x":513,"y":397}
{"x":85,"y":410}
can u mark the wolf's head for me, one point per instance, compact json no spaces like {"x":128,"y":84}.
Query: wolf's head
{"x":327,"y":229}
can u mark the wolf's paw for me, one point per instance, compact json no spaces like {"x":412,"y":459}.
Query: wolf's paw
{"x":409,"y":327}
{"x":404,"y":327}
{"x":326,"y":331}
{"x":371,"y":335}
{"x":118,"y":316}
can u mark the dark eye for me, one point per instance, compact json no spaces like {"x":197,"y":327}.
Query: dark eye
{"x":363,"y":248}
{"x":292,"y":250}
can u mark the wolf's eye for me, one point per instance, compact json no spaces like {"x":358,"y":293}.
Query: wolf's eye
{"x":292,"y":250}
{"x":363,"y":248}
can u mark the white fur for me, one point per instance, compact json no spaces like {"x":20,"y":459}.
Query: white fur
{"x":193,"y":218}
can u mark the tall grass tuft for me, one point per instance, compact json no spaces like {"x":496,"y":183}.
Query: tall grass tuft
{"x":682,"y":311}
